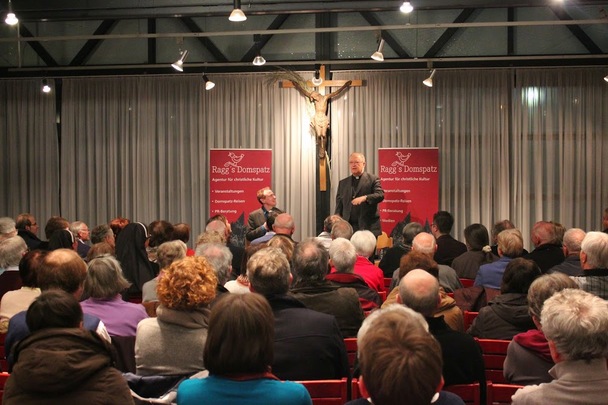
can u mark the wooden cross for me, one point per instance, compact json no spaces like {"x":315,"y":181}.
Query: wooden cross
{"x":320,"y":122}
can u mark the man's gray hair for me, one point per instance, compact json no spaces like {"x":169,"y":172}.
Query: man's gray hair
{"x":76,"y":227}
{"x":576,"y":322}
{"x":217,"y":226}
{"x":595,"y":245}
{"x":169,"y":252}
{"x":11,"y":251}
{"x":268,"y":271}
{"x":341,"y":229}
{"x":364,"y":242}
{"x":219,"y":256}
{"x":310,"y":262}
{"x":100,"y":233}
{"x":410,"y":231}
{"x":543,"y":288}
{"x":573,"y":238}
{"x":425,"y":243}
{"x":7,"y":228}
{"x":343,"y":255}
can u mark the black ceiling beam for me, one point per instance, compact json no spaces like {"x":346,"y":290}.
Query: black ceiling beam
{"x":510,"y":32}
{"x":151,"y":41}
{"x":89,"y":47}
{"x":37,"y":47}
{"x":323,"y":40}
{"x":448,"y":33}
{"x":387,"y":36}
{"x":577,"y":31}
{"x":206,"y":42}
{"x":274,"y":25}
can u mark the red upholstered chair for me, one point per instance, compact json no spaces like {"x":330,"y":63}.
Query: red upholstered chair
{"x":327,"y":392}
{"x":354,"y":389}
{"x":351,"y":351}
{"x":467,"y":282}
{"x":387,"y":282}
{"x":3,"y":378}
{"x":469,"y":316}
{"x":494,"y":355}
{"x":470,"y":393}
{"x":500,"y":394}
{"x":3,"y":363}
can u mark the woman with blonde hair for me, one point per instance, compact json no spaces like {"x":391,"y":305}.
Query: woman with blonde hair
{"x":172,"y":343}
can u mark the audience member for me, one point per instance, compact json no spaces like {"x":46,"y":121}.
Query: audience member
{"x":528,"y":356}
{"x":272,"y":216}
{"x":400,"y":361}
{"x":54,"y":223}
{"x":479,"y":252}
{"x":131,"y":253}
{"x":238,"y":354}
{"x":60,"y":269}
{"x":510,"y":246}
{"x":447,"y":307}
{"x":307,"y":344}
{"x":365,"y":245}
{"x":358,"y":197}
{"x":605,"y":220}
{"x":62,"y":239}
{"x":159,"y":232}
{"x":256,"y":223}
{"x":16,"y":301}
{"x":594,"y":262}
{"x":341,"y":229}
{"x":118,"y":224}
{"x":103,"y":233}
{"x":462,"y":359}
{"x":219,"y":257}
{"x":27,"y":228}
{"x":80,"y":230}
{"x":100,"y":249}
{"x":284,"y":225}
{"x":181,"y":231}
{"x":310,"y":265}
{"x":507,"y":314}
{"x":343,"y":258}
{"x":11,"y":252}
{"x":390,"y":260}
{"x":210,"y":237}
{"x":498,"y":228}
{"x":103,"y":285}
{"x":222,"y":226}
{"x":286,"y":244}
{"x":575,"y":324}
{"x":547,"y":246}
{"x":166,"y":254}
{"x":571,"y":247}
{"x":242,"y":284}
{"x":7,"y":228}
{"x":448,"y":248}
{"x":172,"y":343}
{"x":324,"y":237}
{"x":60,"y":362}
{"x":425,"y":243}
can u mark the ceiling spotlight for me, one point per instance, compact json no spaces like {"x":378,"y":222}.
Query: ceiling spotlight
{"x":316,"y":80}
{"x":429,"y":80}
{"x":378,"y":54}
{"x":208,"y":83}
{"x":11,"y":18}
{"x":606,"y":78}
{"x":45,"y":86}
{"x":406,"y":7}
{"x":179,"y":64}
{"x":237,"y":14}
{"x":259,"y":60}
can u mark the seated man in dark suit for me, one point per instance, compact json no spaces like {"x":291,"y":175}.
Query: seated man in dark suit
{"x":448,"y":248}
{"x":256,"y":223}
{"x":307,"y":344}
{"x":310,"y":266}
{"x":547,"y":246}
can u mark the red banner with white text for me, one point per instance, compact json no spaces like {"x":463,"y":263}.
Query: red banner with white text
{"x":235,"y":176}
{"x":410,"y":179}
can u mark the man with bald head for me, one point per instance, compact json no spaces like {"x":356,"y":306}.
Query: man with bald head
{"x":358,"y":197}
{"x":462,"y":360}
{"x":547,"y":247}
{"x":60,"y":269}
{"x":284,"y":225}
{"x":573,"y":238}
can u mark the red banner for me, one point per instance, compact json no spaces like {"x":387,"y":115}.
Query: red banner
{"x":235,"y":175}
{"x":410,"y":179}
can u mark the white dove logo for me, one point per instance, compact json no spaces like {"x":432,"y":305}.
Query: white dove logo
{"x":402,"y":159}
{"x":235,"y":159}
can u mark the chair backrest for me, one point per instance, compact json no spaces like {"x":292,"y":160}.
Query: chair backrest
{"x":469,"y":393}
{"x":351,"y":352}
{"x":3,"y":378}
{"x":125,"y":353}
{"x":387,"y":282}
{"x":494,"y":355}
{"x":467,"y":282}
{"x":355,"y":393}
{"x":327,"y":392}
{"x":469,"y":316}
{"x":500,"y":394}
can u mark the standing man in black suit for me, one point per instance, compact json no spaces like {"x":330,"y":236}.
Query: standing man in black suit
{"x":256,"y":224}
{"x":358,"y":197}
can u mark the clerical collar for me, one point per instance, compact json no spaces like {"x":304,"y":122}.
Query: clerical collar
{"x":357,"y":177}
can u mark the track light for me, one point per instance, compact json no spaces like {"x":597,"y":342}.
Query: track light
{"x":11,"y":18}
{"x":208,"y":83}
{"x":429,"y":80}
{"x":378,"y":54}
{"x":606,"y":78}
{"x":259,"y":60}
{"x":179,"y":64}
{"x":237,"y":14}
{"x":406,"y":7}
{"x":45,"y":86}
{"x":317,"y":80}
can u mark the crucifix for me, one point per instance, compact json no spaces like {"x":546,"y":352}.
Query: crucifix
{"x":320,"y":121}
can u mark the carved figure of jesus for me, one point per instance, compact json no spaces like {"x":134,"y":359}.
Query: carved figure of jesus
{"x":320,"y":121}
